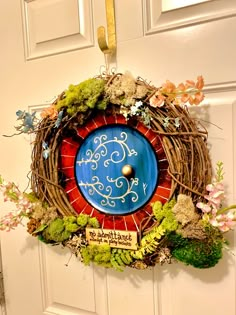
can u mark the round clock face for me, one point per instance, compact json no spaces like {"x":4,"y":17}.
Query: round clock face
{"x":114,"y":171}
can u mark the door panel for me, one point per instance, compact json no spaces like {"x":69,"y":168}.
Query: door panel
{"x":52,"y":27}
{"x":46,"y":45}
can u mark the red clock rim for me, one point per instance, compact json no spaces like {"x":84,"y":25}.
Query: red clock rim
{"x":130,"y":222}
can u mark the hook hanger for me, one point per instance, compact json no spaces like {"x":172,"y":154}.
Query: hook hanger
{"x":109,"y":48}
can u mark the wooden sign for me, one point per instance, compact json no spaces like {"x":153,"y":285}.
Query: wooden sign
{"x":114,"y":238}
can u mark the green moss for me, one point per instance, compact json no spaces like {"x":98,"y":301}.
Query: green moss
{"x":93,"y":222}
{"x":198,"y":253}
{"x":81,"y":97}
{"x":86,"y":256}
{"x":61,"y":229}
{"x":56,"y":231}
{"x":99,"y":254}
{"x":70,"y":224}
{"x":82,"y":220}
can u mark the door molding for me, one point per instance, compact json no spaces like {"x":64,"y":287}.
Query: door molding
{"x":156,"y":21}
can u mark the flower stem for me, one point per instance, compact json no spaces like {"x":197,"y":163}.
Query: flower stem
{"x":226,"y":209}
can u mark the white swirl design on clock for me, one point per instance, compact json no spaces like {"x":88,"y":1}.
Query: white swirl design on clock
{"x":102,"y":151}
{"x":144,"y":188}
{"x":106,"y":192}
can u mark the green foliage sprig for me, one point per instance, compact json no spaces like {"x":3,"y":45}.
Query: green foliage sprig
{"x":168,"y":223}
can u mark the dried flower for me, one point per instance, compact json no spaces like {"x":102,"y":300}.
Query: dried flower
{"x":50,"y":112}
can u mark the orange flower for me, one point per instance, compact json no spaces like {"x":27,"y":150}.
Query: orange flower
{"x":188,"y":92}
{"x":191,"y":100}
{"x":200,"y":82}
{"x":199,"y":96}
{"x":168,"y":87}
{"x":185,"y":98}
{"x":157,"y":100}
{"x":181,"y":87}
{"x":189,"y":84}
{"x":50,"y":112}
{"x":196,"y":99}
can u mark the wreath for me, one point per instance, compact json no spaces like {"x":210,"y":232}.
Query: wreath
{"x":187,"y":226}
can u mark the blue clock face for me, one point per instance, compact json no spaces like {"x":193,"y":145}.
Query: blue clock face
{"x":116,"y":169}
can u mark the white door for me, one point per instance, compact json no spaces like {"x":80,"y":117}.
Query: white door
{"x":48,"y":44}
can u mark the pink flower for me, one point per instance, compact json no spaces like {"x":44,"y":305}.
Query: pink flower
{"x":23,"y":206}
{"x":224,"y":222}
{"x":157,"y":100}
{"x":204,"y":207}
{"x":9,"y":222}
{"x":210,"y":187}
{"x":216,"y":194}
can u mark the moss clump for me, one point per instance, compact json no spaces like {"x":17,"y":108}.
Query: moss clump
{"x":56,"y":231}
{"x":198,"y":253}
{"x":93,"y":222}
{"x":70,"y":224}
{"x":61,"y":229}
{"x":99,"y":254}
{"x":124,"y":91}
{"x":82,"y":220}
{"x":184,"y":210}
{"x":81,"y":97}
{"x":188,"y":218}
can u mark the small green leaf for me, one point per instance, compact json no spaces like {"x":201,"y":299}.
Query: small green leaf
{"x":41,"y":228}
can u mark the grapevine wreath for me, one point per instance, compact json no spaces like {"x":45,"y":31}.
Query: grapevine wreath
{"x":180,"y":213}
